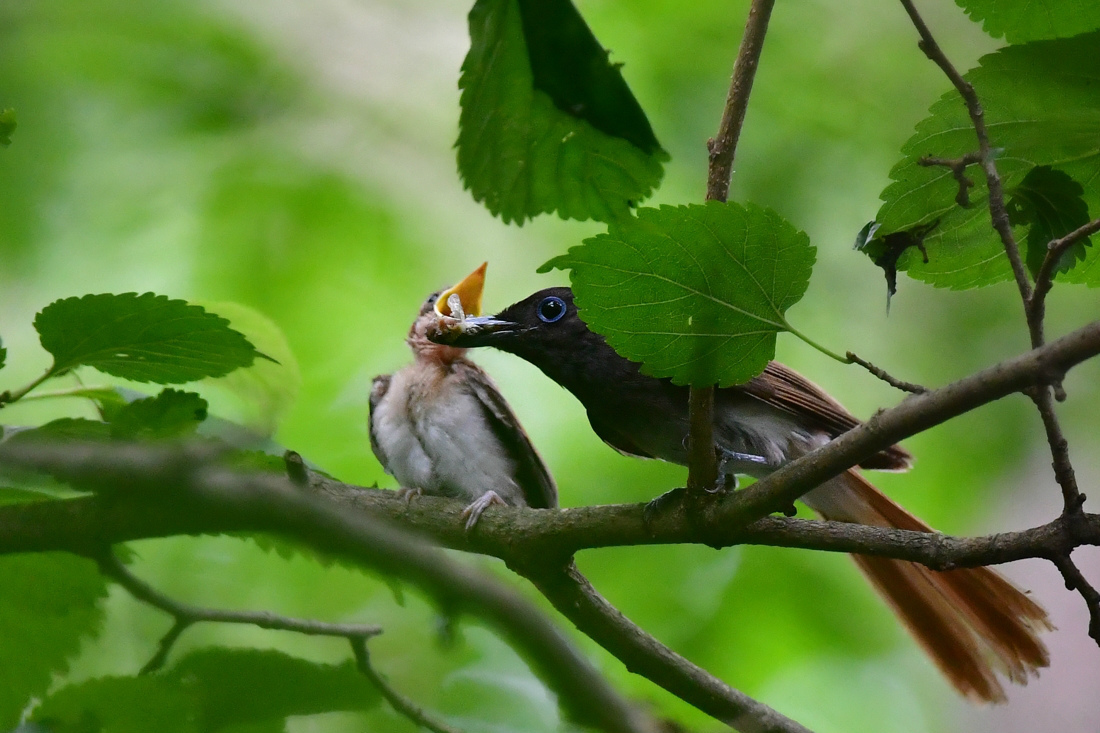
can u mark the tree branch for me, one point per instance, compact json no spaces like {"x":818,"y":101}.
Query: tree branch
{"x":702,"y":463}
{"x":185,"y":614}
{"x":1044,"y":280}
{"x":403,"y":705}
{"x":577,"y":600}
{"x":201,"y":494}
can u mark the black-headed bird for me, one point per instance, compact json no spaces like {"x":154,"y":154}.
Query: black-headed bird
{"x":440,"y":426}
{"x":972,"y":621}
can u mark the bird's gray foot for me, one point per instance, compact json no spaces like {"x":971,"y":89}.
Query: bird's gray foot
{"x":731,"y":463}
{"x":473,"y":512}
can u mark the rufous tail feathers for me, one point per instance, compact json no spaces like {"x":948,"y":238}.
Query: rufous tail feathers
{"x":972,"y":621}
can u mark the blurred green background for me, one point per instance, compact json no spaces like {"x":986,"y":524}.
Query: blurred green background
{"x":296,"y":157}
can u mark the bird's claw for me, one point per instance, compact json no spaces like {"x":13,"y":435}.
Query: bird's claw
{"x":661,"y":504}
{"x":472,"y":513}
{"x":409,"y":494}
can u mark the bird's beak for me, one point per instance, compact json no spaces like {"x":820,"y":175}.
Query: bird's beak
{"x":469,"y":296}
{"x":472,"y":332}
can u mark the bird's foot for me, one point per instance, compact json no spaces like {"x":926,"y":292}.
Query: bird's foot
{"x":661,"y":504}
{"x":473,"y":512}
{"x":731,"y":463}
{"x":409,"y":494}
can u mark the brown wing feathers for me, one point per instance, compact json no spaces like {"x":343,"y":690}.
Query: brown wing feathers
{"x":785,"y":389}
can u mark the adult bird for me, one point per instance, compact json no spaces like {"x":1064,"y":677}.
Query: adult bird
{"x":972,"y":622}
{"x":440,"y":426}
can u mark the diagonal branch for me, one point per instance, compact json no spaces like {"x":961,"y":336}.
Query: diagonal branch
{"x":397,"y":701}
{"x":577,"y":600}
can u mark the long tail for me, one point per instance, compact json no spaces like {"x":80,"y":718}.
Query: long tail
{"x":972,"y":622}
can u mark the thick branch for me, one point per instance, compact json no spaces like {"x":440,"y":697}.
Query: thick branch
{"x":577,"y":600}
{"x":915,"y":414}
{"x":201,"y":493}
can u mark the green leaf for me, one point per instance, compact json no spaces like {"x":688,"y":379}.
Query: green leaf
{"x":3,"y":354}
{"x":547,"y":123}
{"x":1019,"y":21}
{"x":49,"y":603}
{"x":1042,"y":109}
{"x":145,"y":338}
{"x":696,"y":293}
{"x":66,"y":429}
{"x":171,"y":414}
{"x":7,"y":126}
{"x":1049,"y":202}
{"x":210,"y":690}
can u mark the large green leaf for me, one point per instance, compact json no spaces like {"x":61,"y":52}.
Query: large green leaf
{"x":48,"y":603}
{"x":1030,"y":20}
{"x":210,"y":690}
{"x":146,"y":338}
{"x":1042,"y":109}
{"x":1049,"y":202}
{"x":171,"y":414}
{"x":696,"y":293}
{"x":547,"y":122}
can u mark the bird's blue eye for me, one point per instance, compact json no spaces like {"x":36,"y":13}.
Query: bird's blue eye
{"x":550,"y":309}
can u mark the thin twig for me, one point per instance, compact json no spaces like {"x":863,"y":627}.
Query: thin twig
{"x":885,"y":376}
{"x":1044,"y":279}
{"x":998,"y":211}
{"x":702,"y":462}
{"x":958,"y":168}
{"x":403,"y":705}
{"x":185,"y":614}
{"x":1076,"y":581}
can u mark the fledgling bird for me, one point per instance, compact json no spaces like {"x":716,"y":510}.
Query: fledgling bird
{"x":972,"y":622}
{"x":440,"y":426}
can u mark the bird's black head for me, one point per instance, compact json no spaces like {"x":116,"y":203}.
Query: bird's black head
{"x":544,"y":329}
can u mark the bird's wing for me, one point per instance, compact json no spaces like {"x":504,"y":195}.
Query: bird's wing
{"x":533,"y":477}
{"x":379,"y":386}
{"x":615,"y":438}
{"x":785,"y":389}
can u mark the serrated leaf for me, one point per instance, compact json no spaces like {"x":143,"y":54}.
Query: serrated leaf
{"x":170,"y":415}
{"x":547,"y":123}
{"x":7,"y":126}
{"x":49,"y":603}
{"x":210,"y":690}
{"x":66,"y":429}
{"x":1019,"y":21}
{"x":1042,"y":109}
{"x":696,"y":293}
{"x":1049,"y":202}
{"x":145,"y":338}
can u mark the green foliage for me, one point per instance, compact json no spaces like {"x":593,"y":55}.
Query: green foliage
{"x":49,"y":603}
{"x":1050,"y":203}
{"x":3,"y":354}
{"x":146,"y":338}
{"x":547,"y":123}
{"x":170,"y":415}
{"x":696,"y":293}
{"x":7,"y":126}
{"x":1018,"y":21}
{"x":209,"y":690}
{"x":1042,"y":109}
